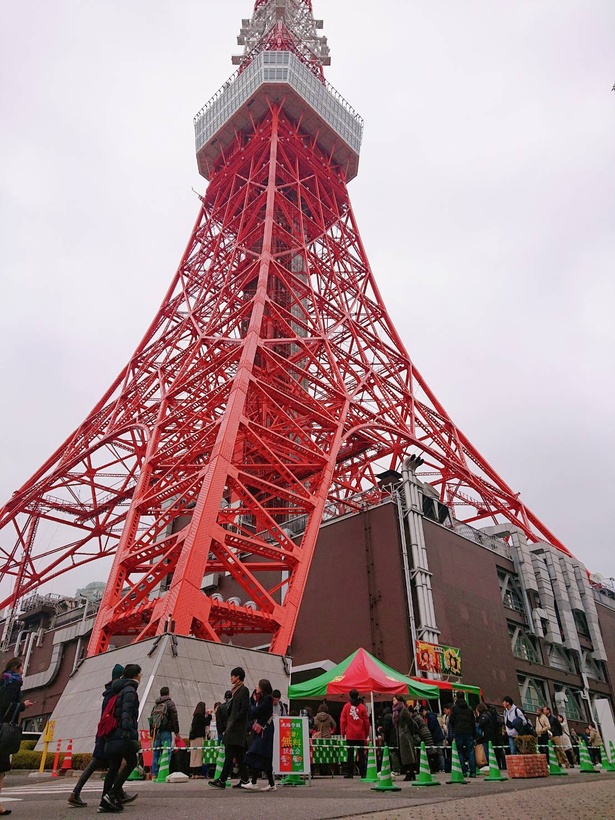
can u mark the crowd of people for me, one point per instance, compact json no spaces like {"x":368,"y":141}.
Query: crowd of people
{"x":243,"y":724}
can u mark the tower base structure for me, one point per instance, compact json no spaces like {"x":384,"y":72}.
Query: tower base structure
{"x":194,"y":670}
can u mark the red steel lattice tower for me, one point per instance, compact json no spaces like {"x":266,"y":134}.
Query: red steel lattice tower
{"x":269,"y":391}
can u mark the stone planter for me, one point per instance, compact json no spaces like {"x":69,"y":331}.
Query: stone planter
{"x":527,"y":766}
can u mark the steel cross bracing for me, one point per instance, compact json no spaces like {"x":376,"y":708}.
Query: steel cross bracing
{"x":271,"y":387}
{"x":284,"y":25}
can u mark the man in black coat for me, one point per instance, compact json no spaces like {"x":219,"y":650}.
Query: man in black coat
{"x":464,"y":726}
{"x":123,"y":742}
{"x":236,"y":733}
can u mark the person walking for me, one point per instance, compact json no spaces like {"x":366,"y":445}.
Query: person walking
{"x":512,"y":714}
{"x":595,"y":741}
{"x":122,"y":744}
{"x":279,"y":707}
{"x":201,"y":719}
{"x":99,"y":760}
{"x":464,"y":726}
{"x":543,"y":731}
{"x":557,"y":733}
{"x":566,"y":741}
{"x":485,"y":731}
{"x":163,"y":723}
{"x":324,"y":725}
{"x":259,"y":757}
{"x":354,"y":726}
{"x":424,"y":737}
{"x":11,"y":706}
{"x":433,"y":724}
{"x":236,"y":732}
{"x":407,"y":738}
{"x":222,"y":715}
{"x":388,"y":733}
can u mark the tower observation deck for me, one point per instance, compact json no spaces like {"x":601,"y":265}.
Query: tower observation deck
{"x":278,"y":77}
{"x":268,"y":394}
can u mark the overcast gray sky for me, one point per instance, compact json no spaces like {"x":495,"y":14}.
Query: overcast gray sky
{"x":485,"y":197}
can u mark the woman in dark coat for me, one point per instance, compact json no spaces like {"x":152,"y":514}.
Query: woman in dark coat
{"x":122,"y":744}
{"x":425,"y":737}
{"x":485,"y":730}
{"x":259,"y":757}
{"x":11,"y":707}
{"x":406,"y":738}
{"x":198,"y":732}
{"x":99,"y":761}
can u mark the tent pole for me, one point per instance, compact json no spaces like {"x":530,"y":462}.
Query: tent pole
{"x":373,"y":720}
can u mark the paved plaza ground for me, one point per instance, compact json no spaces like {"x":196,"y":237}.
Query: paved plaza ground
{"x":565,"y":798}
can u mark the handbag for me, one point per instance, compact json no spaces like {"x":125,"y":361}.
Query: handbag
{"x":10,"y":734}
{"x":481,"y":758}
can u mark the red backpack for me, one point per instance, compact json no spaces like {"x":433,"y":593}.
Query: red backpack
{"x":108,"y":721}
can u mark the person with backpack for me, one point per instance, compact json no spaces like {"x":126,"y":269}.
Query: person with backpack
{"x":122,"y":742}
{"x":163,"y":723}
{"x":11,"y":706}
{"x":106,"y":724}
{"x":464,"y":726}
{"x":516,"y":723}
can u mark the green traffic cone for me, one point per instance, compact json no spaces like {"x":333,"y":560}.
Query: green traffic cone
{"x":385,"y":781}
{"x":293,"y":780}
{"x":135,"y":774}
{"x":555,"y":770}
{"x":220,"y":766}
{"x":456,"y":772}
{"x":163,"y":765}
{"x":425,"y":777}
{"x":372,"y":768}
{"x":608,"y":764}
{"x":585,"y":764}
{"x":608,"y":761}
{"x":494,"y":770}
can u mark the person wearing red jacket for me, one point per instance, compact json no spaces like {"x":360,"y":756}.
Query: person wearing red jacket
{"x":354,"y":726}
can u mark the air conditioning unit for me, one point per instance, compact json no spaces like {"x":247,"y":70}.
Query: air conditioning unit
{"x":211,"y":581}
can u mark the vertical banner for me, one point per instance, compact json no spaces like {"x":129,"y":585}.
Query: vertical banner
{"x":291,"y":745}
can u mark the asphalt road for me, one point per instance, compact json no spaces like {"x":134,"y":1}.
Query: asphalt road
{"x":563,"y":798}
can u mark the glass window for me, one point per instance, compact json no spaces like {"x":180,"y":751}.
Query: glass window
{"x":511,"y":591}
{"x":532,"y":693}
{"x":524,"y":645}
{"x":574,"y":710}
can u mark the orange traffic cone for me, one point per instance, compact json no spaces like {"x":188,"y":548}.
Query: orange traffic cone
{"x":67,"y":763}
{"x":56,"y":759}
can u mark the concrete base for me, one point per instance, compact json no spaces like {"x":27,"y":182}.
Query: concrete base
{"x":178,"y":777}
{"x":194,"y":671}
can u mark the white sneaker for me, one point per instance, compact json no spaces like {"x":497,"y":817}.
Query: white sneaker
{"x":269,"y":788}
{"x":250,"y":786}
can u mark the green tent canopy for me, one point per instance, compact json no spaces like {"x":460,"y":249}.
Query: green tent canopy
{"x":456,"y":687}
{"x":366,"y":674}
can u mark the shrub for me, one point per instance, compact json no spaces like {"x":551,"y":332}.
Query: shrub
{"x":526,"y":744}
{"x":28,"y":759}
